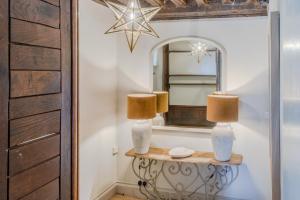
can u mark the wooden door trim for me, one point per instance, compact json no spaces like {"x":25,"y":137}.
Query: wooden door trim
{"x":75,"y":102}
{"x":275,"y":105}
{"x":66,"y":109}
{"x":4,"y":95}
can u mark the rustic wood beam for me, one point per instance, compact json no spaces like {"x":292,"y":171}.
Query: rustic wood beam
{"x":201,"y":12}
{"x":255,"y":2}
{"x":155,"y":2}
{"x":124,"y":2}
{"x":183,"y":9}
{"x":226,"y":1}
{"x":179,"y":3}
{"x":202,"y":2}
{"x":100,"y":2}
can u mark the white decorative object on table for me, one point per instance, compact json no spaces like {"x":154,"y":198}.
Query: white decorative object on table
{"x":222,"y":141}
{"x":142,"y":108}
{"x":181,"y":152}
{"x":222,"y":108}
{"x":141,"y":136}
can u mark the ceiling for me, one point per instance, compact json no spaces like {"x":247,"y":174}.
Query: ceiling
{"x":195,"y":9}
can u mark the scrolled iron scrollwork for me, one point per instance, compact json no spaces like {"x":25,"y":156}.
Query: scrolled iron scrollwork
{"x":221,"y":177}
{"x":195,"y":181}
{"x":147,"y":171}
{"x":186,"y":171}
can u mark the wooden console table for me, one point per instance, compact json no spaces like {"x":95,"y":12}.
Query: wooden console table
{"x":200,"y":176}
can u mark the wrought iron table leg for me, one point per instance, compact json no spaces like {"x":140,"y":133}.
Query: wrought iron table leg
{"x":216,"y":179}
{"x":220,"y":178}
{"x":145,"y":171}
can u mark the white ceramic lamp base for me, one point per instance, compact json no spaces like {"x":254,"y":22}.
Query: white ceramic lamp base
{"x":141,"y":136}
{"x":222,"y":141}
{"x":158,"y":120}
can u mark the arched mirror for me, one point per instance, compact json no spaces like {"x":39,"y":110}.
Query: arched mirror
{"x":189,"y":69}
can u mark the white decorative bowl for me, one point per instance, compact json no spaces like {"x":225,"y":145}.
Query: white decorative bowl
{"x":180,"y":152}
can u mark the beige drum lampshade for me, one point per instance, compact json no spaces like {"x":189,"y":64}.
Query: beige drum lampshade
{"x":222,"y":108}
{"x":141,"y":106}
{"x":162,"y":103}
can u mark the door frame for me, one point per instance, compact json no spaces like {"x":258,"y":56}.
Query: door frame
{"x":275,"y":104}
{"x":75,"y":101}
{"x":4,"y":96}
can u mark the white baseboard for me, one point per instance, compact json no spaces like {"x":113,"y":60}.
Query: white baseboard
{"x":133,"y":191}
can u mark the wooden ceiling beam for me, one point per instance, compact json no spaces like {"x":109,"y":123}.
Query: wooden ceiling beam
{"x":179,"y":3}
{"x":183,"y":9}
{"x":201,"y":2}
{"x":124,"y":2}
{"x":255,"y":2}
{"x":155,"y":2}
{"x":226,"y":1}
{"x":202,"y":12}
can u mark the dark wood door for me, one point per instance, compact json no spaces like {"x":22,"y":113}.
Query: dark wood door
{"x":35,"y":99}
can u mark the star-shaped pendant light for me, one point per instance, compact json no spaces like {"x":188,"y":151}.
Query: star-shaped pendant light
{"x":132,"y":20}
{"x":200,"y":50}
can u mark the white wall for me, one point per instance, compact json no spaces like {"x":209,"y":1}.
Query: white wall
{"x":246,"y":75}
{"x":290,"y":94}
{"x":274,"y":5}
{"x":97,"y":98}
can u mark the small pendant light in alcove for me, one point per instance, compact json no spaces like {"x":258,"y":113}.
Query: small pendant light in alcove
{"x":132,"y":20}
{"x":200,"y":50}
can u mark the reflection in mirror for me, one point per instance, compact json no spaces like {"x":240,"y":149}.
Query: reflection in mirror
{"x":189,"y":70}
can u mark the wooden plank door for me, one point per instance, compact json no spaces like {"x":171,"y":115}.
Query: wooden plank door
{"x":35,"y":99}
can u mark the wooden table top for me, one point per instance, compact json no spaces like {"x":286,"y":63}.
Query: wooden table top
{"x":198,"y":157}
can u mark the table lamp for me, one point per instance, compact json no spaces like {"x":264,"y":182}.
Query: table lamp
{"x":142,"y":108}
{"x":223,"y":109}
{"x":162,"y":106}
